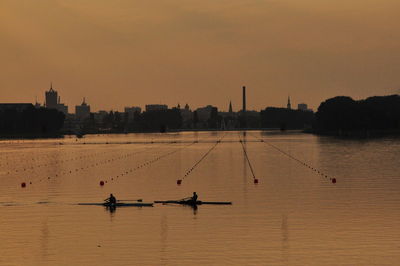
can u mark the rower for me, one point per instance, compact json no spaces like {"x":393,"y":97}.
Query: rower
{"x":194,"y":197}
{"x":111,"y":199}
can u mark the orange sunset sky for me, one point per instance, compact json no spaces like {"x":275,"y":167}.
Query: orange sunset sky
{"x":126,"y":52}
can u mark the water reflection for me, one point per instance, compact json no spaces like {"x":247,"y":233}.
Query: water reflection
{"x":111,"y":210}
{"x":164,"y":238}
{"x":44,"y":239}
{"x":285,"y":238}
{"x":357,"y":221}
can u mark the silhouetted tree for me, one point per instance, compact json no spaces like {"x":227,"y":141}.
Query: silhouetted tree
{"x":343,"y":114}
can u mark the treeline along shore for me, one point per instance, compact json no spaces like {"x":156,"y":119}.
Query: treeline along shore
{"x":338,"y":116}
{"x":343,"y":116}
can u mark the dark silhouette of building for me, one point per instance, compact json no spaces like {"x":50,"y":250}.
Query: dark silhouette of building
{"x":302,"y":107}
{"x":156,"y":107}
{"x":82,"y":111}
{"x":51,"y":98}
{"x":289,"y":105}
{"x":53,"y":101}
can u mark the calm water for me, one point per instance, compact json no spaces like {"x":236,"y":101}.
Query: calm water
{"x":294,"y":216}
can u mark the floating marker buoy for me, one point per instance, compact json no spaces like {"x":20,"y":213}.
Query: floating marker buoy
{"x":179,"y":181}
{"x":333,"y":180}
{"x":101,"y":183}
{"x":255,"y":181}
{"x":23,"y":184}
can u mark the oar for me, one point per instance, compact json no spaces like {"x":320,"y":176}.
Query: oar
{"x":139,"y":200}
{"x":188,"y":198}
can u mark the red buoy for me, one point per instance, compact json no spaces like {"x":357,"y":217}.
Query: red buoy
{"x":179,"y":181}
{"x":101,"y":183}
{"x":23,"y":184}
{"x":255,"y":181}
{"x":333,"y":180}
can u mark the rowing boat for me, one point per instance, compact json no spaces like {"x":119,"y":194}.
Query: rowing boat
{"x":192,"y":203}
{"x":119,"y":204}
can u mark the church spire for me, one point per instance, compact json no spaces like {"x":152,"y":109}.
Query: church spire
{"x":289,"y":106}
{"x":230,"y":107}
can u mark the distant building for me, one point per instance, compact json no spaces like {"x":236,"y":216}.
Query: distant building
{"x":302,"y":107}
{"x":82,"y":111}
{"x":37,"y":104}
{"x":187,"y":116}
{"x":289,"y":105}
{"x":53,"y":101}
{"x":62,"y":108}
{"x":99,"y":116}
{"x":131,"y":111}
{"x":51,"y":98}
{"x":230,"y":112}
{"x":156,"y":107}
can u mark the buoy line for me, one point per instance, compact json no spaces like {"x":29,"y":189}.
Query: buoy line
{"x":67,"y":172}
{"x":73,"y":158}
{"x":154,"y":142}
{"x":127,"y":142}
{"x":149,"y":162}
{"x":318,"y":172}
{"x":31,"y":168}
{"x":94,"y":164}
{"x":189,"y":171}
{"x":146,"y":163}
{"x":255,"y":180}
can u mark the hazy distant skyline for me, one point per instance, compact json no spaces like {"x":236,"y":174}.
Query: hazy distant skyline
{"x":127,"y":52}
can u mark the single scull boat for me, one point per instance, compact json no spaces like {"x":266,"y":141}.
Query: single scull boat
{"x":119,"y":204}
{"x":192,"y":203}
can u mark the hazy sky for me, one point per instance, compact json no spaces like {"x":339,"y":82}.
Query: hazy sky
{"x":120,"y":53}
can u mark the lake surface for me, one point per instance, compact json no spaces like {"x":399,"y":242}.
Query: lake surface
{"x":293,"y":216}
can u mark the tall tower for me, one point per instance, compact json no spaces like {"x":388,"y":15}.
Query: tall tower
{"x":51,"y":98}
{"x":244,"y":99}
{"x":230,"y":107}
{"x":289,"y":106}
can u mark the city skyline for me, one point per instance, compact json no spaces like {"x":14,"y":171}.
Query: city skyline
{"x":178,"y":52}
{"x":51,"y":95}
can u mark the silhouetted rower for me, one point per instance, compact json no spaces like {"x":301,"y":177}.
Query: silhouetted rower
{"x":194,"y":197}
{"x":111,"y":200}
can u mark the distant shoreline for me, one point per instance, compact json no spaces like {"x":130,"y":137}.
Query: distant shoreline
{"x":344,"y":134}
